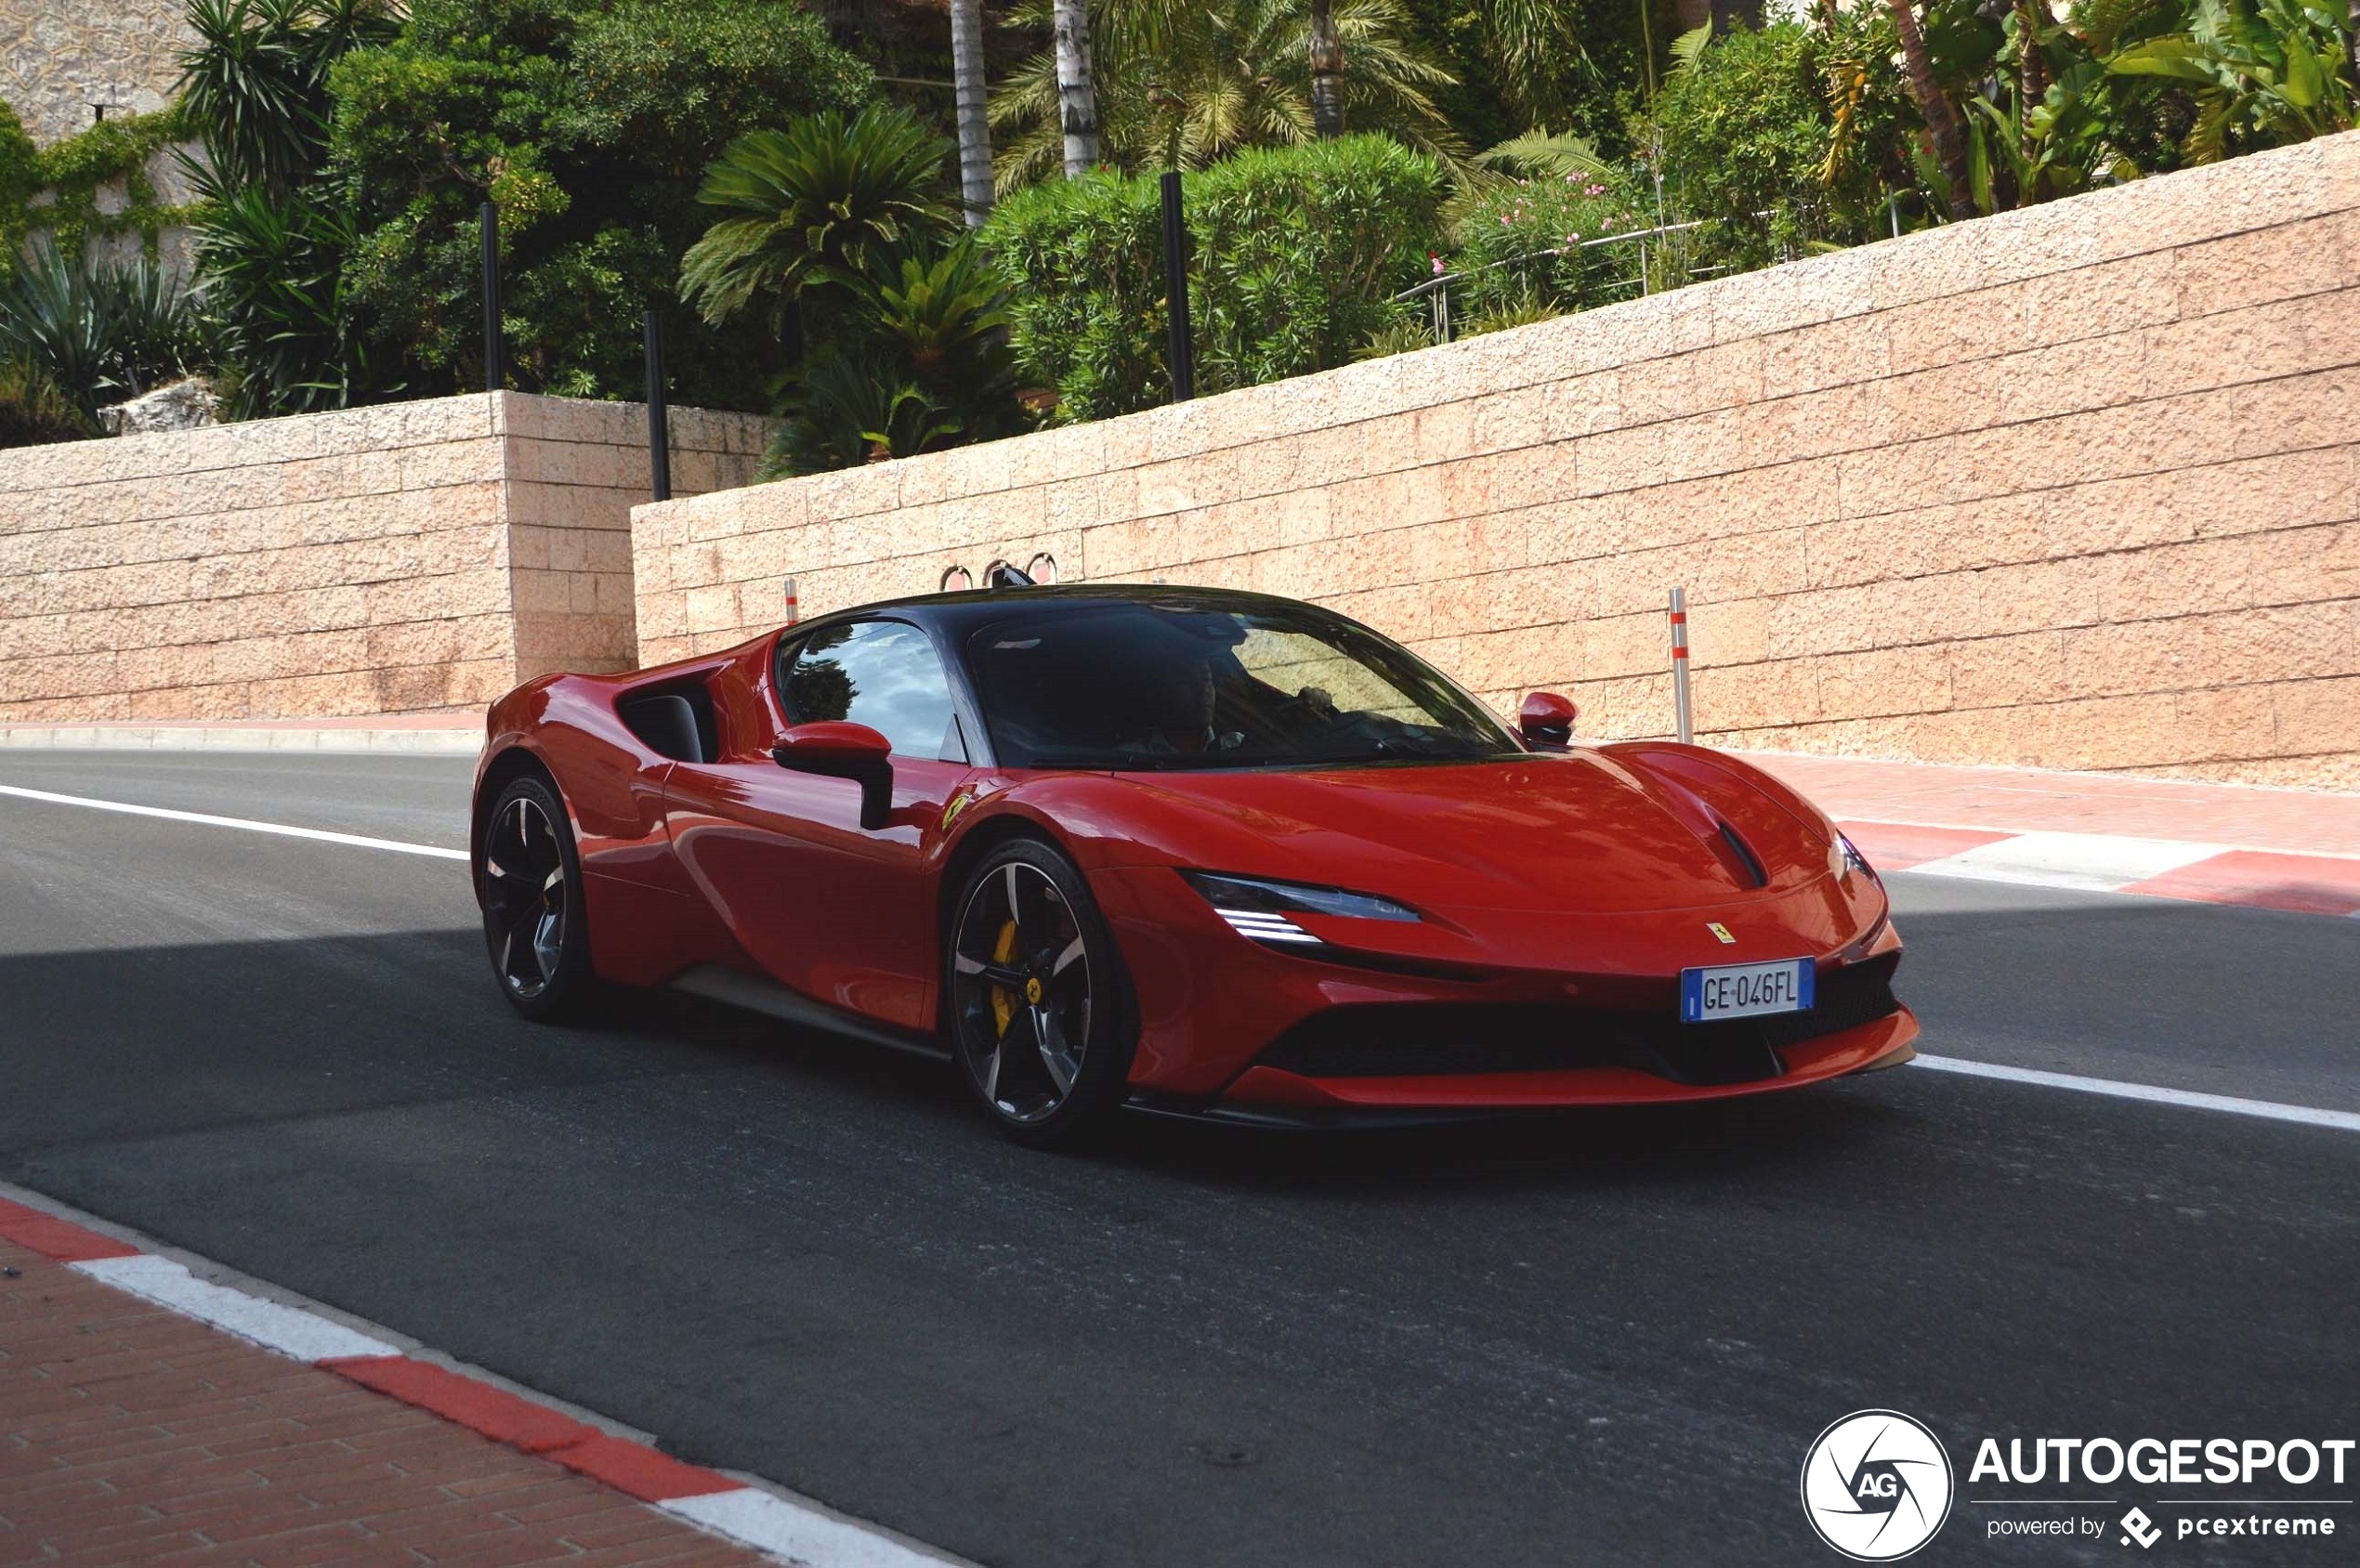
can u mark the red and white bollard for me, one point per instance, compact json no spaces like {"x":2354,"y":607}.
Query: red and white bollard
{"x":1684,"y":719}
{"x":794,"y":611}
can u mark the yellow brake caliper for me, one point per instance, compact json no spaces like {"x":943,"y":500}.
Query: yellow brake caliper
{"x":1003,"y":1000}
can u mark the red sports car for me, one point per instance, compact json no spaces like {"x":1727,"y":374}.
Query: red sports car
{"x":1209,"y":853}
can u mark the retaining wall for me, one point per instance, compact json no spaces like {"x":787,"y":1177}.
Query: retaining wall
{"x":2072,"y":487}
{"x":397,"y":560}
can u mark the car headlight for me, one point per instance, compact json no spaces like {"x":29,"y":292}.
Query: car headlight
{"x":1259,"y":909}
{"x":1845,"y":857}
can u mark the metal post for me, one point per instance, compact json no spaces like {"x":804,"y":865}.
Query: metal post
{"x":1176,"y":290}
{"x":1682,"y":716}
{"x":659,"y":416}
{"x":795,"y":606}
{"x":495,"y":368}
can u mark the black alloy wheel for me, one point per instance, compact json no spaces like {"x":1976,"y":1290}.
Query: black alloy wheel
{"x":1040,"y":1009}
{"x":530,"y":885}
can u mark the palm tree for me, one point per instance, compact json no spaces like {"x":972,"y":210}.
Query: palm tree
{"x":1077,"y":87}
{"x":1327,"y":71}
{"x":1943,"y":124}
{"x":975,"y":125}
{"x":824,"y":197}
{"x":1188,"y":84}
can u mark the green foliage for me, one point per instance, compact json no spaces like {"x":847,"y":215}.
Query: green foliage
{"x":1297,"y":252}
{"x":272,"y":236}
{"x":55,"y":188}
{"x":99,"y":331}
{"x":2262,"y":76}
{"x":1088,"y":313}
{"x":32,"y":412}
{"x":1180,"y":87}
{"x":273,"y":278}
{"x":855,"y":406}
{"x":1532,"y":245}
{"x":587,"y":122}
{"x":1744,"y":126}
{"x":1519,"y":64}
{"x":826,"y":197}
{"x":255,"y":86}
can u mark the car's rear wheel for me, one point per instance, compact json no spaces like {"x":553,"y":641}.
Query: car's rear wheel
{"x":1041,"y":1016}
{"x":530,"y":885}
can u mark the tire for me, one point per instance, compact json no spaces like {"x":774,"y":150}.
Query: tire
{"x":1041,"y":1016}
{"x":529,"y":883}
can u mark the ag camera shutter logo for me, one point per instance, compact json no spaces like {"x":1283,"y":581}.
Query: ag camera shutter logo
{"x":1877,"y":1486}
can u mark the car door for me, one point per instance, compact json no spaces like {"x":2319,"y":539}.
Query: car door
{"x":840,"y":913}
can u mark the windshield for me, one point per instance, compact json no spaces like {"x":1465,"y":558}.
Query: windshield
{"x":1175,"y":686}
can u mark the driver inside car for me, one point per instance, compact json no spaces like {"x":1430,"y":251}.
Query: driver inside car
{"x":1181,"y":701}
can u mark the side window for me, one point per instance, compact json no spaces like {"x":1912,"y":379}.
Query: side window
{"x":881,"y":673}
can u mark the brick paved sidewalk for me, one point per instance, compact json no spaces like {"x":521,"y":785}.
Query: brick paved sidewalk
{"x":2036,"y":800}
{"x":130,"y":1434}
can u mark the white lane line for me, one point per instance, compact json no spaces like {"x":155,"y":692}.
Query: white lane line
{"x":797,"y":1533}
{"x":2088,"y":862}
{"x":202,"y":819}
{"x":2269,"y":1110}
{"x":289,"y":1331}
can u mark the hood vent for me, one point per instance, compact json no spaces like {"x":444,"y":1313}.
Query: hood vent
{"x":1746,"y":857}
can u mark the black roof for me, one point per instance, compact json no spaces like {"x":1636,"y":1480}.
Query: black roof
{"x":958,"y":613}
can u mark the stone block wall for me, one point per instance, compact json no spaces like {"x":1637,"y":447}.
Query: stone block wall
{"x":61,"y":60}
{"x":412,"y":557}
{"x":2072,"y":487}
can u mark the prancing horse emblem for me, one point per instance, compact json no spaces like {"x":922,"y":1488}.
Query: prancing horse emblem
{"x":1721,"y":931}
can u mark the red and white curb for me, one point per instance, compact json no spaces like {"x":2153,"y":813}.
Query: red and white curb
{"x":2209,"y":873}
{"x":789,"y":1529}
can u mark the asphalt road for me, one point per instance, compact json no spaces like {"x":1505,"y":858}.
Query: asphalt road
{"x":1598,"y":1339}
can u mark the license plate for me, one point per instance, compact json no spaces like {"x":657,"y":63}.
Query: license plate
{"x":1745,"y":991}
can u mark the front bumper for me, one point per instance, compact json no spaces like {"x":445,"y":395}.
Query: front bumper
{"x":1487,"y":1012}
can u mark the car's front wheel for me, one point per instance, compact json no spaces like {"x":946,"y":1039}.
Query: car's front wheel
{"x":530,"y":885}
{"x":1041,"y":1016}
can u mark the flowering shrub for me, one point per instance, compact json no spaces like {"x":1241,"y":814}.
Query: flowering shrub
{"x":1549,"y":241}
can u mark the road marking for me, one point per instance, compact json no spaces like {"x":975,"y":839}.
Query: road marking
{"x":289,"y":1331}
{"x":204,"y":819}
{"x":797,"y":1532}
{"x":2091,"y":862}
{"x":2269,"y":1110}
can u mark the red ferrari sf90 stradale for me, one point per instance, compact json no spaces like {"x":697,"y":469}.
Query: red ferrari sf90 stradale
{"x":1210,"y":853}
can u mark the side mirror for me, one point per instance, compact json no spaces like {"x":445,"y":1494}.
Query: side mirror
{"x":836,"y":750}
{"x":1546,"y":720}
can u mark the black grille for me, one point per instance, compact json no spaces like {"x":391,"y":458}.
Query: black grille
{"x":1407,"y":1039}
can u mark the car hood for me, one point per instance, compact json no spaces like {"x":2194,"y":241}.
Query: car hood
{"x":1591,"y":831}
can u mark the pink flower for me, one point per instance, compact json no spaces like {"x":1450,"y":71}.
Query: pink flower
{"x":1438,"y":262}
{"x":1504,"y":223}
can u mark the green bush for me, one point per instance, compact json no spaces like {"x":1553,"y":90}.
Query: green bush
{"x":1299,"y":252}
{"x":1745,"y":132}
{"x":32,"y":412}
{"x":1088,"y":313}
{"x":1526,"y":244}
{"x":588,"y":123}
{"x":55,"y":188}
{"x":99,"y":331}
{"x":1296,"y":253}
